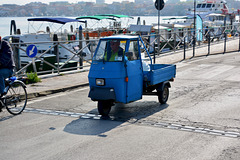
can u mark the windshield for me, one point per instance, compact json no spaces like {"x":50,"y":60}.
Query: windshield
{"x":110,"y":51}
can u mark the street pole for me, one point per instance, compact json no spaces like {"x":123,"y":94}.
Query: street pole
{"x":159,"y":4}
{"x":158,"y":41}
{"x":194,"y":32}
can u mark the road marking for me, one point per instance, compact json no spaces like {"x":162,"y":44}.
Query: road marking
{"x":62,"y":113}
{"x":172,"y":126}
{"x":192,"y":129}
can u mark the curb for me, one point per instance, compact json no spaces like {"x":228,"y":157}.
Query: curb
{"x":53,"y":91}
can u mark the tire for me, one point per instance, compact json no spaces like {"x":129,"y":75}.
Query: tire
{"x":16,"y":98}
{"x":163,"y":95}
{"x":104,"y":107}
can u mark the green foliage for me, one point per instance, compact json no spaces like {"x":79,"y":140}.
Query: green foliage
{"x":32,"y":78}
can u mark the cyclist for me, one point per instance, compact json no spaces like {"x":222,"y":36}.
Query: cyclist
{"x":6,"y":65}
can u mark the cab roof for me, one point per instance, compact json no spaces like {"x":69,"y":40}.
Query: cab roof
{"x":121,"y":37}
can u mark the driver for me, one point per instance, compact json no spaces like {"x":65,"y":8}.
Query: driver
{"x":116,"y":52}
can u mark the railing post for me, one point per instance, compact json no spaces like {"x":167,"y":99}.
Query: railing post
{"x":80,"y":47}
{"x":16,"y":53}
{"x":184,"y":49}
{"x":225,"y":35}
{"x":175,"y":40}
{"x":87,"y":40}
{"x":56,"y":51}
{"x":158,"y":44}
{"x":208,"y":38}
{"x":239,"y":42}
{"x":91,"y":48}
{"x":34,"y":65}
{"x":225,"y":41}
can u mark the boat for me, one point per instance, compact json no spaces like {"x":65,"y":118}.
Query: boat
{"x":44,"y":39}
{"x":107,"y":25}
{"x":207,"y":7}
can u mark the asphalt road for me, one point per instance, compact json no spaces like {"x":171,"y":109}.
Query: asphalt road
{"x":200,"y":121}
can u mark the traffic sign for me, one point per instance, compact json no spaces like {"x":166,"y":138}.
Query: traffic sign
{"x":31,"y":51}
{"x":159,"y":4}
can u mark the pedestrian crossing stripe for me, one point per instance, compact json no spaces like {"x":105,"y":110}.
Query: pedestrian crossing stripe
{"x":172,"y":126}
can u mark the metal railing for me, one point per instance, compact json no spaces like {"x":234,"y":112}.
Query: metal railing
{"x":170,"y":42}
{"x":75,"y":61}
{"x":183,"y":41}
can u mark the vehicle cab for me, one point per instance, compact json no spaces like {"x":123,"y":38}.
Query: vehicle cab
{"x":118,"y":78}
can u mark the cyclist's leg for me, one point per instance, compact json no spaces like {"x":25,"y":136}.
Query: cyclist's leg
{"x":4,"y":73}
{"x":2,"y":86}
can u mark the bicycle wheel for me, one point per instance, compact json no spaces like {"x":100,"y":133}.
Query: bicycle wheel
{"x":16,"y":98}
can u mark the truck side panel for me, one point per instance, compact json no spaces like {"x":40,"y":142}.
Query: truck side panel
{"x":160,"y":73}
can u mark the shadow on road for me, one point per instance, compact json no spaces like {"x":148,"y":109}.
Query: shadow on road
{"x":119,"y":114}
{"x":6,"y":118}
{"x":90,"y":126}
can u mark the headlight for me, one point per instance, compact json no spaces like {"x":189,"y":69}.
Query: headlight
{"x":100,"y":82}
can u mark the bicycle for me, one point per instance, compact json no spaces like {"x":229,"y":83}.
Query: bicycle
{"x":15,"y":96}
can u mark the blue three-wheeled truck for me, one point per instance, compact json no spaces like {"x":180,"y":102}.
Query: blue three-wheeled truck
{"x":118,"y":73}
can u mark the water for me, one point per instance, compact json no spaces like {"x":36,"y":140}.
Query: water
{"x":22,"y":23}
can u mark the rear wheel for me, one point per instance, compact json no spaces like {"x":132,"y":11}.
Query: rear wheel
{"x":16,"y":98}
{"x":163,"y":95}
{"x":104,"y":107}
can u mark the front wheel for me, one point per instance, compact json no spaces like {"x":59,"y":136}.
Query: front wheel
{"x":16,"y":98}
{"x":163,"y":95}
{"x":104,"y":107}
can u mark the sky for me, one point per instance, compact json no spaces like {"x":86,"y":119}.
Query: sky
{"x":23,"y":2}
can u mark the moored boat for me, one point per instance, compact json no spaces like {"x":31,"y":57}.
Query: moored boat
{"x":207,"y":7}
{"x":44,"y":39}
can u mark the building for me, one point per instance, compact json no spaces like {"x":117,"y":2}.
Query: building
{"x":100,"y":1}
{"x":140,"y":1}
{"x":59,"y":3}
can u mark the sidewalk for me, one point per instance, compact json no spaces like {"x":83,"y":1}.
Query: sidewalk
{"x":57,"y":83}
{"x":69,"y":80}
